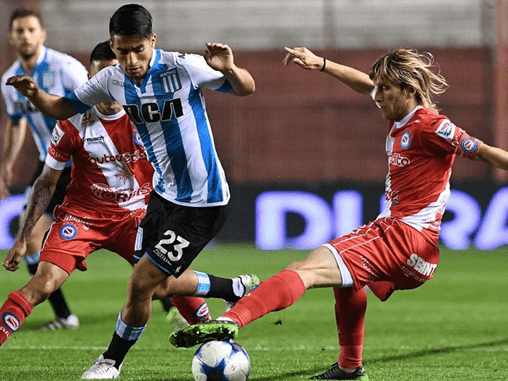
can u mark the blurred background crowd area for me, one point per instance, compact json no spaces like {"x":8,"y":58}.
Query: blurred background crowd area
{"x":300,"y":126}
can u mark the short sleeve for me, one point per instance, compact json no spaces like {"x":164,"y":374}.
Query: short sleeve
{"x":61,"y":146}
{"x":441,"y":136}
{"x":74,"y":75}
{"x":92,"y":92}
{"x":201,"y":74}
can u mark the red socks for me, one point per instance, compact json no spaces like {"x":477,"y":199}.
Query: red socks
{"x":193,"y":309}
{"x":12,"y":314}
{"x":350,"y":308}
{"x":274,"y":294}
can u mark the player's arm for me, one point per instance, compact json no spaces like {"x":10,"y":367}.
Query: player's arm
{"x":50,"y":105}
{"x":220,"y":57}
{"x":14,"y":137}
{"x":493,"y":156}
{"x":354,"y":79}
{"x":41,"y":194}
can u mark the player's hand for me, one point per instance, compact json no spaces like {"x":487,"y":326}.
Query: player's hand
{"x":303,"y":57}
{"x":219,"y":56}
{"x":13,"y":257}
{"x":24,"y":84}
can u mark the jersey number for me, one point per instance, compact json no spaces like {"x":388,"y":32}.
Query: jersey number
{"x":178,"y":248}
{"x":151,"y":112}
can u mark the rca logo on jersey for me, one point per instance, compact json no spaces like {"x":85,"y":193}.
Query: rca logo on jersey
{"x":11,"y":321}
{"x":398,"y":160}
{"x":68,"y":231}
{"x":152,"y":113}
{"x":421,"y":266}
{"x":170,"y":81}
{"x":446,"y":130}
{"x":57,"y":135}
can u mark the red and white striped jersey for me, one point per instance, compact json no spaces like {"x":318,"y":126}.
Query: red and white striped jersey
{"x":421,"y":150}
{"x":110,"y":170}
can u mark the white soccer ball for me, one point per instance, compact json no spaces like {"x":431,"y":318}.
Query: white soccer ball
{"x":221,"y":361}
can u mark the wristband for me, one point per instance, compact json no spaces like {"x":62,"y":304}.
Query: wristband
{"x":324,"y":64}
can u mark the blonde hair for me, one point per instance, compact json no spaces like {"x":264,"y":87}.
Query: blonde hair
{"x":408,"y":68}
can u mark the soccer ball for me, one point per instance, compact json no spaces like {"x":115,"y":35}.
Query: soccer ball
{"x":221,"y":361}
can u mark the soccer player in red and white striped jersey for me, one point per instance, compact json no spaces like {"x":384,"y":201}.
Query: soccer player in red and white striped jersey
{"x":397,"y":251}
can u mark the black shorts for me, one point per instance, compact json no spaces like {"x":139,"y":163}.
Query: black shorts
{"x":173,"y":235}
{"x":58,"y":196}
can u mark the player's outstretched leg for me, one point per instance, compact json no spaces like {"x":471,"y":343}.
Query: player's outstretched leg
{"x":335,"y":373}
{"x":218,"y":330}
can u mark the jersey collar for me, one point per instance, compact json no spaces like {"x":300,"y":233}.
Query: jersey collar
{"x":404,"y":120}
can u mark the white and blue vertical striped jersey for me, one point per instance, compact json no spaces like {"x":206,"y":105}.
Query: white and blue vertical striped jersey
{"x":56,"y":73}
{"x":168,"y":111}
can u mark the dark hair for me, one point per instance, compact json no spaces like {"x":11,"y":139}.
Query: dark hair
{"x":102,"y":51}
{"x":20,"y":13}
{"x":131,"y":20}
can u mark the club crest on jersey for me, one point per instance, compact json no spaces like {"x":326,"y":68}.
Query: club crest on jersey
{"x":469,"y":145}
{"x":446,"y":130}
{"x":405,"y":140}
{"x":57,"y":135}
{"x":68,"y":231}
{"x":11,"y":321}
{"x":170,"y":81}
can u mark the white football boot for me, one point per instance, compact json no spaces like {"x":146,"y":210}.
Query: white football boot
{"x":102,"y":369}
{"x":71,"y":322}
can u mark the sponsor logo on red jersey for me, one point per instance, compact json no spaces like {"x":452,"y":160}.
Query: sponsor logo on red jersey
{"x":107,"y":193}
{"x":57,"y":135}
{"x":126,"y":157}
{"x":446,"y":130}
{"x":399,"y":160}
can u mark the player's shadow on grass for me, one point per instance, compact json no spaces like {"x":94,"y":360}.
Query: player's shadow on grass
{"x":412,"y":355}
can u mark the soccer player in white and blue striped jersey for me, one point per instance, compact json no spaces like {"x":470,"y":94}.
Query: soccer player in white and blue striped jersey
{"x":162,"y":94}
{"x":59,"y":74}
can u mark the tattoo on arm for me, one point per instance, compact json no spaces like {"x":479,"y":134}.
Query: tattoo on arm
{"x":38,"y":203}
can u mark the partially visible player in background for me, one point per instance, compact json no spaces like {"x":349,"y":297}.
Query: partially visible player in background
{"x":397,"y":251}
{"x":104,"y":204}
{"x":58,"y":73}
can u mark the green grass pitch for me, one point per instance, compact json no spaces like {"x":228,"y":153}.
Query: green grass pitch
{"x":455,"y":327}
